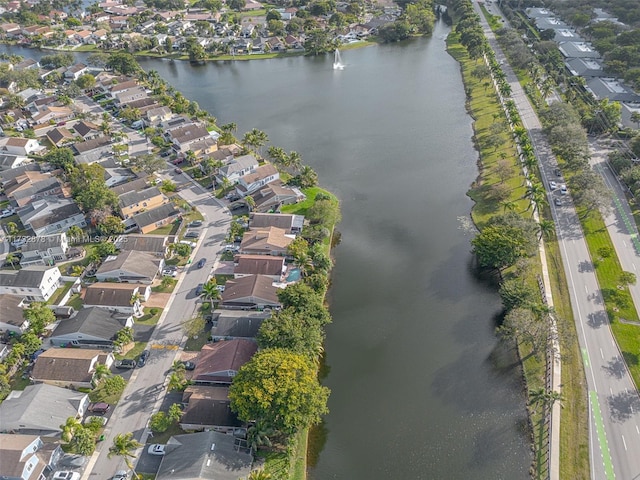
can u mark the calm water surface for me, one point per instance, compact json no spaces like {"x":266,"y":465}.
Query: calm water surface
{"x":420,"y":389}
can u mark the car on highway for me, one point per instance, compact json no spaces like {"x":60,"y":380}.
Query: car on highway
{"x":99,"y":408}
{"x":125,"y":364}
{"x":142,"y":359}
{"x":199,"y":289}
{"x":189,"y":365}
{"x":156,"y":449}
{"x":66,"y":475}
{"x":201,"y":262}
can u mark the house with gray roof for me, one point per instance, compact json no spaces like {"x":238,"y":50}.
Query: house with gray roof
{"x":90,"y":327}
{"x":39,"y":189}
{"x":41,"y":409}
{"x":250,"y":293}
{"x":585,"y":67}
{"x":130,"y":267}
{"x":566,"y":35}
{"x":154,"y":244}
{"x":121,"y":298}
{"x":550,"y":23}
{"x":578,"y":50}
{"x":237,"y":168}
{"x":229,"y":324}
{"x":204,"y":455}
{"x":12,"y":318}
{"x":273,"y":196}
{"x":9,"y":161}
{"x":87,"y":130}
{"x":138,"y":201}
{"x":45,"y":250}
{"x":208,"y":408}
{"x":53,"y":215}
{"x":35,"y":283}
{"x":533,"y":13}
{"x":183,"y":137}
{"x":612,"y":89}
{"x":91,"y":151}
{"x":7,"y":176}
{"x":59,"y":136}
{"x":130,"y":186}
{"x":291,"y":224}
{"x":153,"y":219}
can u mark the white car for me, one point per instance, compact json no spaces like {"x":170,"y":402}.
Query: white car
{"x":553,"y":185}
{"x":66,"y":475}
{"x":7,"y":212}
{"x":156,"y":449}
{"x":563,"y":189}
{"x":121,"y":475}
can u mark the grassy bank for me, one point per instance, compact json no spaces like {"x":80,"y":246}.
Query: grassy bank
{"x":485,"y":108}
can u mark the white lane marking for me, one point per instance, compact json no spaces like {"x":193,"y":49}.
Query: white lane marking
{"x":633,"y":265}
{"x":611,"y":390}
{"x":601,"y":354}
{"x":637,"y":430}
{"x":624,"y":443}
{"x":585,"y":289}
{"x":624,"y":243}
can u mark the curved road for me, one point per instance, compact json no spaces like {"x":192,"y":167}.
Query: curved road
{"x":614,"y":414}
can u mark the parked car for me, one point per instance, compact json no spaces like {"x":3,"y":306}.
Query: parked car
{"x":177,"y":170}
{"x":199,"y":289}
{"x":170,"y":272}
{"x":201,"y":262}
{"x":124,"y":364}
{"x":563,"y":189}
{"x":7,"y":212}
{"x":121,"y":475}
{"x":557,"y":201}
{"x":192,"y":234}
{"x":90,"y":419}
{"x":142,"y":359}
{"x":189,"y":365}
{"x":195,"y":223}
{"x":220,"y":288}
{"x":230,"y":248}
{"x":553,"y":185}
{"x":66,"y":475}
{"x":156,"y":449}
{"x":557,"y":172}
{"x":100,"y":408}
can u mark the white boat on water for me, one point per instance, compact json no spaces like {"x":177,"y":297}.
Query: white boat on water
{"x":337,"y":61}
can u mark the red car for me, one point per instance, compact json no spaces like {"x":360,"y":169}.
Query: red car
{"x":99,"y":408}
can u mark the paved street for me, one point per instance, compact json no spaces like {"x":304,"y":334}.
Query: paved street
{"x":142,"y":397}
{"x":614,"y":406}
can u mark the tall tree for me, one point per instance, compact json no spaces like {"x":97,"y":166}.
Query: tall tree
{"x":124,"y":445}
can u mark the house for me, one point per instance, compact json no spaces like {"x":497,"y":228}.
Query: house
{"x":87,"y":130}
{"x":20,"y":146}
{"x":114,"y":173}
{"x":27,"y":63}
{"x":236,"y":323}
{"x":69,"y":367}
{"x":237,"y":168}
{"x":585,"y":67}
{"x":59,"y":136}
{"x":45,"y":250}
{"x":266,"y":241}
{"x":261,"y":176}
{"x":204,"y":455}
{"x":578,"y":50}
{"x":7,"y":176}
{"x":134,"y":202}
{"x":9,"y":161}
{"x":27,"y":457}
{"x":130,"y":95}
{"x":130,"y":267}
{"x":41,"y":409}
{"x":76,"y":71}
{"x":611,"y":88}
{"x":291,"y":224}
{"x":274,"y":195}
{"x":122,"y":87}
{"x":153,"y":219}
{"x":550,"y":23}
{"x":183,"y":137}
{"x":54,"y":215}
{"x":91,"y":151}
{"x":35,"y":283}
{"x":10,"y":29}
{"x":157,"y":115}
{"x":154,"y":244}
{"x":91,"y":327}
{"x":12,"y":318}
{"x":217,"y":363}
{"x":252,"y":292}
{"x":52,"y":114}
{"x":208,"y":408}
{"x":121,"y":298}
{"x":99,"y":35}
{"x":259,"y":265}
{"x":44,"y":187}
{"x":130,"y":186}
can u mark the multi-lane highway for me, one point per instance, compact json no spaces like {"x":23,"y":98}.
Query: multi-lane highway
{"x":614,"y":406}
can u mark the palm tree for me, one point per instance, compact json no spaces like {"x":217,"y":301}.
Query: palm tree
{"x":294,"y":161}
{"x":635,"y":118}
{"x":123,"y":446}
{"x":537,"y":397}
{"x":69,"y":428}
{"x":251,"y":203}
{"x":259,"y":474}
{"x":176,"y":381}
{"x":210,"y":290}
{"x":278,"y":155}
{"x":510,"y":206}
{"x":258,"y":435}
{"x":255,"y":138}
{"x":546,"y":229}
{"x":12,"y":259}
{"x":177,"y":366}
{"x":102,"y":371}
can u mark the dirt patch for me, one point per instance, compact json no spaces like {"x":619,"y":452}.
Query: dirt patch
{"x":157,"y":300}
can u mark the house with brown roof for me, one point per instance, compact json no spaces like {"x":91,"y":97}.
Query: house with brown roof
{"x":261,"y":176}
{"x":134,"y":202}
{"x":91,"y":327}
{"x":12,"y":318}
{"x":154,"y":244}
{"x":27,"y":457}
{"x":208,"y":408}
{"x":32,"y":186}
{"x":59,"y":136}
{"x":266,"y":241}
{"x":253,"y":292}
{"x":274,"y":195}
{"x":217,"y":363}
{"x":158,"y":114}
{"x":76,"y":71}
{"x":130,"y":267}
{"x":245,"y":265}
{"x":130,"y":186}
{"x":69,"y":367}
{"x":122,"y":298}
{"x":87,"y":130}
{"x":51,"y":113}
{"x":291,"y":224}
{"x":155,"y":218}
{"x":131,"y":95}
{"x":183,"y":137}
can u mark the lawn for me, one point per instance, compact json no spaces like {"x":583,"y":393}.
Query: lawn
{"x":163,"y":437}
{"x":60,"y":293}
{"x":133,"y":353}
{"x":171,"y":284}
{"x":100,"y":395}
{"x":150,"y":318}
{"x":302,"y":207}
{"x":75,"y":301}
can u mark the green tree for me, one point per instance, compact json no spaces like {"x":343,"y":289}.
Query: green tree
{"x":499,"y":246}
{"x":258,"y":436}
{"x":31,"y":343}
{"x":60,"y":158}
{"x":12,"y":228}
{"x":293,"y":331}
{"x":148,"y":163}
{"x":104,"y":249}
{"x":259,"y":474}
{"x":175,"y":412}
{"x":627,"y":278}
{"x":86,"y":81}
{"x":159,"y":422}
{"x":123,"y":446}
{"x":101,"y":372}
{"x":69,"y":428}
{"x":182,"y":249}
{"x":124,"y":63}
{"x":12,"y":259}
{"x":281,"y":389}
{"x":210,"y":290}
{"x":114,"y":385}
{"x":325,"y":212}
{"x":75,"y":234}
{"x":111,"y":225}
{"x":39,"y":316}
{"x":83,"y":442}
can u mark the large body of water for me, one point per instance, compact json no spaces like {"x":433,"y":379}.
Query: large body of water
{"x":420,"y":386}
